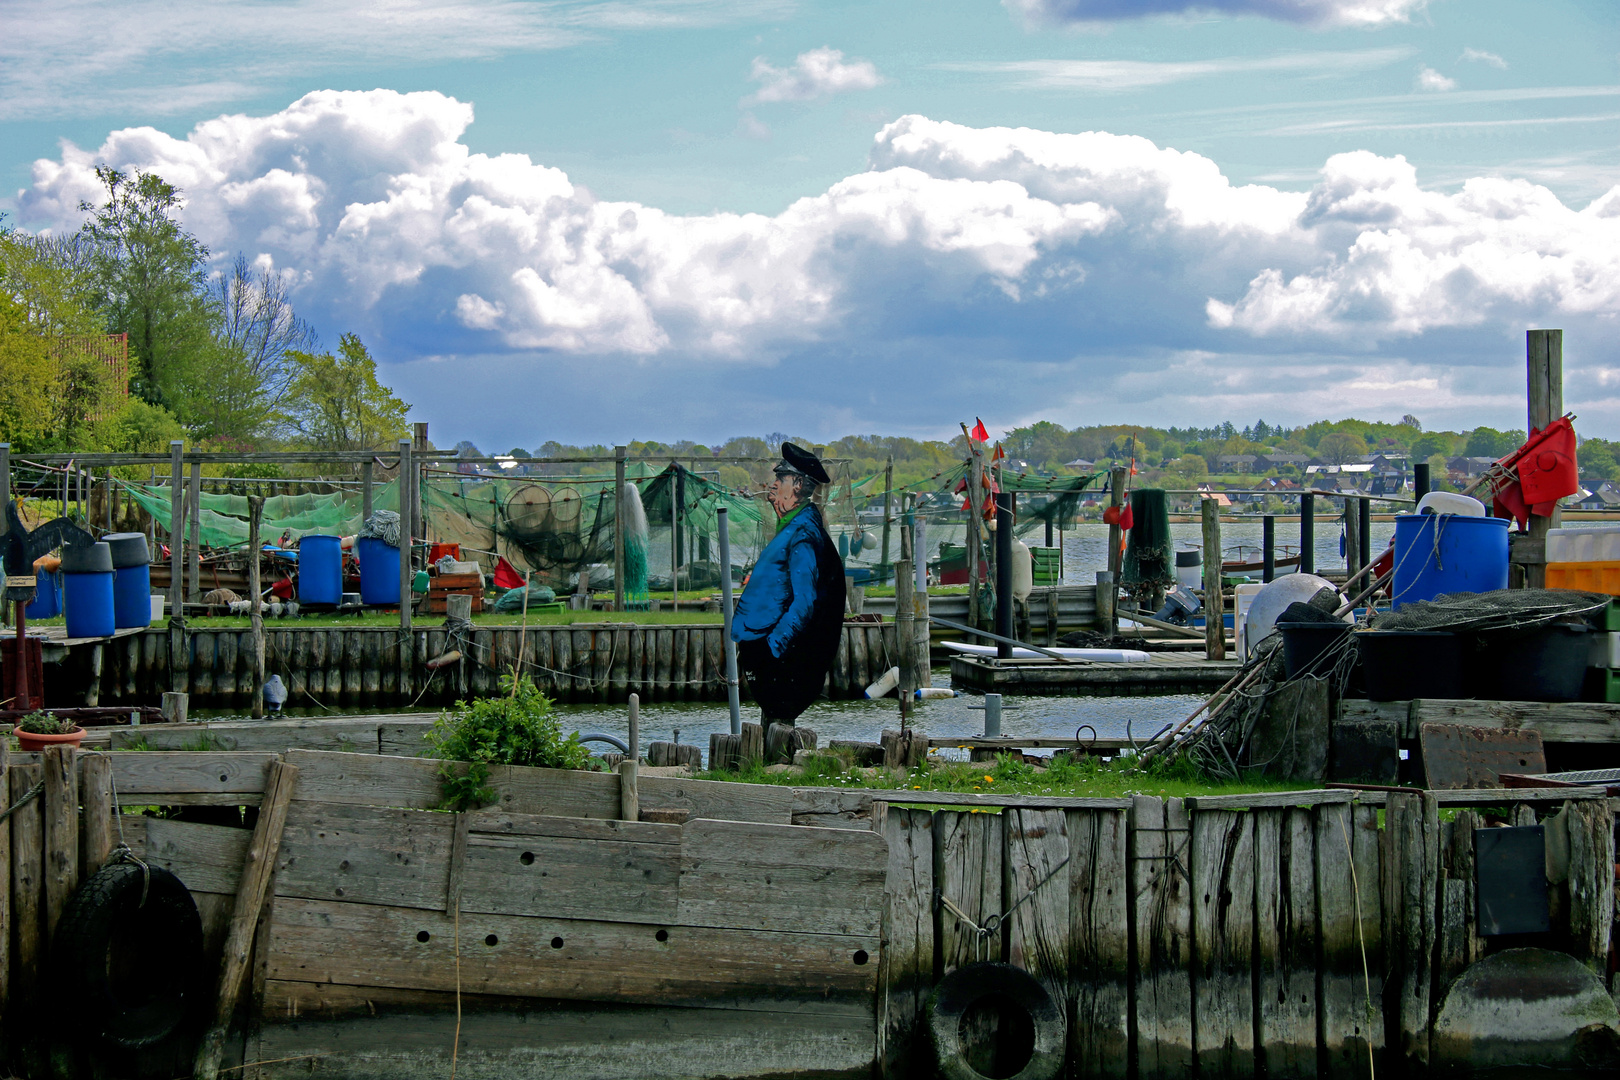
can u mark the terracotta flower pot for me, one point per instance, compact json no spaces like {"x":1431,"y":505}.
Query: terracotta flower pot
{"x":27,"y":740}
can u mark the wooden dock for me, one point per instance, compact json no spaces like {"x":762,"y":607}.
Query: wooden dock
{"x":778,"y":930}
{"x":1163,"y":673}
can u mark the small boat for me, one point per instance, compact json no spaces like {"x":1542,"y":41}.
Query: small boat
{"x":1095,"y":656}
{"x":1249,"y":559}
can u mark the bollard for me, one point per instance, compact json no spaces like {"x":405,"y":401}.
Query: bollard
{"x":992,"y":716}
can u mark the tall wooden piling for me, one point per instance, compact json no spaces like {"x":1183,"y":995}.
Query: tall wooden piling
{"x":1544,"y":364}
{"x":61,"y":833}
{"x":1352,"y":538}
{"x":619,"y":453}
{"x":27,"y":883}
{"x":1214,"y":603}
{"x":194,"y":530}
{"x":256,"y":602}
{"x":406,"y":474}
{"x":1307,"y":533}
{"x":177,"y":581}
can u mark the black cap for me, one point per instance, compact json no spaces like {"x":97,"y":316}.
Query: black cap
{"x":796,"y":459}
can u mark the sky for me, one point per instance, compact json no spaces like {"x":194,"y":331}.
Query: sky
{"x":607,"y":220}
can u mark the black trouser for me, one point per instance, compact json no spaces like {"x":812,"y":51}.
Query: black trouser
{"x":781,"y":685}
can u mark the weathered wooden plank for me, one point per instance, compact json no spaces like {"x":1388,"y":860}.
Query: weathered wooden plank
{"x":61,"y":800}
{"x":387,"y":662}
{"x":679,"y":648}
{"x":601,"y":662}
{"x":1099,"y":1037}
{"x":482,"y":677}
{"x":273,"y":736}
{"x":1410,"y":910}
{"x":208,"y":858}
{"x":371,"y":665}
{"x":365,"y":855}
{"x":782,"y":877}
{"x":968,"y":853}
{"x":1456,"y":928}
{"x":550,"y":1041}
{"x":1223,"y":865}
{"x":349,"y":665}
{"x":1591,"y":884}
{"x":1285,"y":944}
{"x":572,"y":877}
{"x":1034,"y":866}
{"x":1557,"y":721}
{"x":838,"y":677}
{"x":860,"y":669}
{"x":226,"y":648}
{"x":406,"y":737}
{"x":832,"y":809}
{"x":584,"y":686}
{"x":143,"y":776}
{"x":1458,"y":757}
{"x":573,"y":959}
{"x":718,"y":799}
{"x":315,"y":674}
{"x":562,"y":651}
{"x":367,"y":779}
{"x":908,"y":934}
{"x":202,"y":665}
{"x":27,"y":886}
{"x":1161,"y":896}
{"x":992,"y":801}
{"x":714,"y":659}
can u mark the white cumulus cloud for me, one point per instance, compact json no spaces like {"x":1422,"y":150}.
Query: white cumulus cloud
{"x":813,"y":74}
{"x":1308,"y":12}
{"x":1480,"y":56}
{"x":1027,"y":259}
{"x":1432,"y":80}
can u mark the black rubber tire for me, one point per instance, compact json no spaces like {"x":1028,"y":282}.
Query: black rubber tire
{"x":1013,"y":986}
{"x":130,"y":970}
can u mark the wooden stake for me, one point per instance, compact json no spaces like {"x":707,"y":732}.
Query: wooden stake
{"x":28,"y":874}
{"x":1544,"y":363}
{"x":61,"y":834}
{"x":256,"y":617}
{"x":178,"y":671}
{"x":256,"y":871}
{"x":96,"y":776}
{"x":194,"y":523}
{"x":619,"y":453}
{"x":1214,"y":604}
{"x":523,"y":635}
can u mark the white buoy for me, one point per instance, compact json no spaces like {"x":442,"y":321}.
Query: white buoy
{"x":885,"y":685}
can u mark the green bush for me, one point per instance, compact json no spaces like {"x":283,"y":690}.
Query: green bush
{"x":517,"y":728}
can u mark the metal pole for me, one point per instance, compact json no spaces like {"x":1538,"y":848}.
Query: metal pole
{"x":1544,"y":369}
{"x":724,"y":527}
{"x":619,"y":453}
{"x":1365,"y":533}
{"x":1307,"y":533}
{"x":179,"y":664}
{"x":194,"y":552}
{"x":406,"y":499}
{"x":1420,"y":479}
{"x":1214,"y":602}
{"x":888,"y":513}
{"x":365,"y":491}
{"x":1004,"y":597}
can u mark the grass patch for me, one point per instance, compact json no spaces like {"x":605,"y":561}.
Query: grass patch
{"x":684,"y":617}
{"x":1083,"y":776}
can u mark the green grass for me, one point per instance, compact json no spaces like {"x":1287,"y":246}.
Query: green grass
{"x":1083,"y":777}
{"x":683,"y":617}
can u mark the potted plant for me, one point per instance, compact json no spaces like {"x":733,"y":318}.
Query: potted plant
{"x":38,"y":730}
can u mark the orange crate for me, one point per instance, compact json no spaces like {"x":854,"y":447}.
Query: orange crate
{"x":1600,"y":577}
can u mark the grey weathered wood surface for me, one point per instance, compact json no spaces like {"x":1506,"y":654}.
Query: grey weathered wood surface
{"x":1557,"y":721}
{"x":1223,"y":866}
{"x":968,"y":853}
{"x":908,"y":934}
{"x":1410,"y":904}
{"x":1039,"y":929}
{"x":1161,"y":891}
{"x":61,"y":803}
{"x":1591,"y":885}
{"x":1099,"y":936}
{"x":27,"y":883}
{"x":1459,"y":756}
{"x":1349,"y":917}
{"x":1286,"y":941}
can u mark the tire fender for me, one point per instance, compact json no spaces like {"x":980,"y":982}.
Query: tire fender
{"x":1013,"y":987}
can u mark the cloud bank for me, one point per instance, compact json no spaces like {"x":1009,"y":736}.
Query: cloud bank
{"x":1307,"y":12}
{"x":1043,"y":273}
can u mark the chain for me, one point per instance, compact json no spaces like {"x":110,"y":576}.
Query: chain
{"x":123,"y":852}
{"x":994,"y":923}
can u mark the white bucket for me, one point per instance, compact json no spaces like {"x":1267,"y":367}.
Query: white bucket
{"x":158,"y":600}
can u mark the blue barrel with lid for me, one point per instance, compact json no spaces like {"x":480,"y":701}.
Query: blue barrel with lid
{"x":132,"y":579}
{"x":379,"y":571}
{"x":47,"y":602}
{"x":87,"y":590}
{"x":1448,"y":553}
{"x":320,"y":570}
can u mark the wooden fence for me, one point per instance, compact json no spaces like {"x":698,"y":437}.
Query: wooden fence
{"x":359,"y":666}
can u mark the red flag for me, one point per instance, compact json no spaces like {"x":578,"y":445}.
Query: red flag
{"x":1126,"y":518}
{"x":979,"y":432}
{"x":506,"y":575}
{"x":1547,"y":472}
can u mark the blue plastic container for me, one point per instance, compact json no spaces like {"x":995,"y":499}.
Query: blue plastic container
{"x":379,"y":571}
{"x":320,"y":570}
{"x":132,"y":580}
{"x":47,"y":597}
{"x":1448,"y":553}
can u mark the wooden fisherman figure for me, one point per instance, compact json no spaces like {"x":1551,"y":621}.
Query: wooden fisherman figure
{"x":791,"y":611}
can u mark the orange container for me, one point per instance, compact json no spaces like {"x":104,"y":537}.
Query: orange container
{"x":1599,"y":577}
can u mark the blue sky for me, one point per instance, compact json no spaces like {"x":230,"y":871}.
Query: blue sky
{"x":685,"y":219}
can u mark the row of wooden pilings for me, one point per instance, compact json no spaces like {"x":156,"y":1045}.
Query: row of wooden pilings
{"x":361,"y":666}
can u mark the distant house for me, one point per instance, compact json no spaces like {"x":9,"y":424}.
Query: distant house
{"x":1080,"y":463}
{"x":1469,"y":467}
{"x":1234,"y":462}
{"x":1604,"y":498}
{"x":1262,"y":462}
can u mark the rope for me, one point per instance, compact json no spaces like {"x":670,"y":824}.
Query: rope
{"x":123,"y":852}
{"x":994,"y":922}
{"x":28,"y":796}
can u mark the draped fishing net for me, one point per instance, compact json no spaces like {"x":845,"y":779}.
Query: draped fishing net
{"x":1501,"y":610}
{"x":223,"y":518}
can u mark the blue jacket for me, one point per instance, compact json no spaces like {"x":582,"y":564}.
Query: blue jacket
{"x":795,"y":588}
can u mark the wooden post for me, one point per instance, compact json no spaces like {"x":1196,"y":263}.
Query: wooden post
{"x":888,"y":513}
{"x":1268,"y":548}
{"x":99,"y":809}
{"x":1364,"y":532}
{"x":1116,"y":556}
{"x":619,"y":453}
{"x":174,"y":707}
{"x":674,"y":537}
{"x":1544,"y":362}
{"x":365,"y":491}
{"x":28,"y":873}
{"x":419,"y":451}
{"x":1214,"y":606}
{"x":629,"y":796}
{"x":975,"y":527}
{"x":250,"y":894}
{"x":194,"y":522}
{"x":1307,"y":533}
{"x":256,"y":603}
{"x":5,"y":882}
{"x":1004,"y":597}
{"x":1420,"y":479}
{"x":178,"y":665}
{"x":905,"y":630}
{"x":61,"y":834}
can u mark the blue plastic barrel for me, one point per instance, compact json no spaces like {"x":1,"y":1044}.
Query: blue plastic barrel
{"x":320,"y":570}
{"x":47,"y":603}
{"x":379,"y":571}
{"x":1448,"y":553}
{"x":132,"y":580}
{"x":87,"y":590}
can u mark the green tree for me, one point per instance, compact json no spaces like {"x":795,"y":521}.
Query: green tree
{"x":336,"y":402}
{"x":1338,"y":447}
{"x":149,"y":281}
